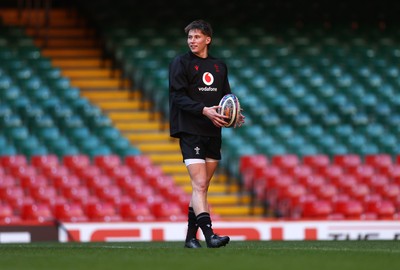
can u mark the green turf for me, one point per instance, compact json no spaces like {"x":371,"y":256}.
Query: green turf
{"x":338,"y":255}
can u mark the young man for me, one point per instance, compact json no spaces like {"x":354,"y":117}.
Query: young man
{"x":197,"y":82}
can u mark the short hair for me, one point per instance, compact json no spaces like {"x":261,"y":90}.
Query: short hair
{"x":201,"y":25}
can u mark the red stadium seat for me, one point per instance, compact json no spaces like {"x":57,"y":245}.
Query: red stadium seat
{"x":56,"y":171}
{"x":45,"y":161}
{"x":301,"y":171}
{"x":30,"y":181}
{"x":61,"y":182}
{"x":98,"y":181}
{"x":39,"y":212}
{"x":317,"y":209}
{"x":88,"y":172}
{"x":289,"y":199}
{"x":138,"y":162}
{"x":394,"y":174}
{"x":129,"y":181}
{"x":135,"y":211}
{"x":22,"y":171}
{"x":76,"y":162}
{"x":7,"y":214}
{"x":272,"y":187}
{"x":331,"y":172}
{"x":326,"y":192}
{"x":119,"y":171}
{"x":9,"y":162}
{"x":389,"y":191}
{"x":102,"y":211}
{"x":316,"y":162}
{"x":141,"y":193}
{"x":286,"y":161}
{"x":384,"y":209}
{"x":358,"y":191}
{"x":248,"y":164}
{"x":151,"y":172}
{"x":252,"y":161}
{"x":349,"y":208}
{"x":70,"y":212}
{"x":364,"y":173}
{"x":377,"y":182}
{"x":348,"y":162}
{"x":7,"y":181}
{"x":170,"y":211}
{"x":108,"y":192}
{"x":312,"y":181}
{"x":345,"y":182}
{"x":11,"y":193}
{"x":162,"y":182}
{"x":107,"y":162}
{"x":80,"y":194}
{"x":261,"y":178}
{"x":382,"y":163}
{"x":47,"y":195}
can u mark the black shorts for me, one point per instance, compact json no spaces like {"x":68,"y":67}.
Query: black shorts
{"x":200,"y":147}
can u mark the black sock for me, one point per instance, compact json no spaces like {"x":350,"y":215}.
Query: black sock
{"x":204,"y":222}
{"x":192,"y":225}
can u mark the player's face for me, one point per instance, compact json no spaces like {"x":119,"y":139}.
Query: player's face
{"x":198,"y":42}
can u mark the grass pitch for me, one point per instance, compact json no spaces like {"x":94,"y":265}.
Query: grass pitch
{"x":338,"y":255}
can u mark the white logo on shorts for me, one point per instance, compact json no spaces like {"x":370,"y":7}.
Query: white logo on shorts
{"x":197,"y":149}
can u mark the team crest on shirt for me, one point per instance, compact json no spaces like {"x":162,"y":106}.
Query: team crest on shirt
{"x":208,"y":78}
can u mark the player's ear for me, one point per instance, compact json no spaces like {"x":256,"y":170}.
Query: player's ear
{"x":208,"y":40}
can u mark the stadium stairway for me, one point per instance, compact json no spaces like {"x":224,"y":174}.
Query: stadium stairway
{"x":74,"y":47}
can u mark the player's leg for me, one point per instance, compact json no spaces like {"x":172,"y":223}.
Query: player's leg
{"x":191,"y":239}
{"x":197,"y":203}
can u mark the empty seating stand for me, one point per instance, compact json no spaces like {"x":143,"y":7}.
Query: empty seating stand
{"x":77,"y":189}
{"x":342,"y":188}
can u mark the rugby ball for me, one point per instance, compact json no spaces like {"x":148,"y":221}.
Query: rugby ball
{"x":230,"y":106}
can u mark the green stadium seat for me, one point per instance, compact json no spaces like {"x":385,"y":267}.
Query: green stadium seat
{"x":8,"y":150}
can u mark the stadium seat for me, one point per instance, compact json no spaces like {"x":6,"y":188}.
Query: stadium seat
{"x":286,"y":162}
{"x":168,"y":211}
{"x":46,"y":194}
{"x":7,"y":214}
{"x":107,"y":163}
{"x":45,"y":161}
{"x":39,"y":212}
{"x":76,"y":162}
{"x":317,"y":162}
{"x":79,"y":194}
{"x":288,"y":200}
{"x":316,"y":209}
{"x":136,"y":212}
{"x":348,"y":161}
{"x":382,"y":163}
{"x":7,"y":180}
{"x":33,"y":181}
{"x":12,"y":161}
{"x":65,"y":181}
{"x":102,"y":211}
{"x":108,"y":193}
{"x":248,"y":164}
{"x":384,"y":209}
{"x":349,"y":208}
{"x":129,"y":181}
{"x":70,"y":212}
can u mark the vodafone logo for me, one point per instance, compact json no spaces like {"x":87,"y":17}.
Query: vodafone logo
{"x":208,"y":78}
